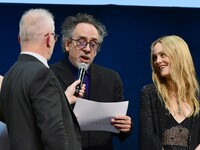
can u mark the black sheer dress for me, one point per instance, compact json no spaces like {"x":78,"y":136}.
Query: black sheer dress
{"x":175,"y":136}
{"x":158,"y":129}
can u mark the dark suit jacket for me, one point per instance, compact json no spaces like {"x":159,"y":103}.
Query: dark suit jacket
{"x":37,"y":112}
{"x":105,"y":86}
{"x":153,"y":118}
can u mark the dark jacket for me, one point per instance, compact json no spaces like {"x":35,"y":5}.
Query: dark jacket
{"x":37,"y":113}
{"x":105,"y":86}
{"x":153,"y":118}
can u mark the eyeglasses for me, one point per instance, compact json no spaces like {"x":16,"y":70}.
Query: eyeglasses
{"x":82,"y":43}
{"x":54,"y":35}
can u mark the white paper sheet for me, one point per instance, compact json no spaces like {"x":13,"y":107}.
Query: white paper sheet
{"x":97,"y":116}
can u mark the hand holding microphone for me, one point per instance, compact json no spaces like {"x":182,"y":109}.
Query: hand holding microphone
{"x":69,"y":92}
{"x":81,"y":73}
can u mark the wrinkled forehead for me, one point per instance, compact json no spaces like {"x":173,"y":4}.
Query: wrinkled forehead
{"x":86,"y":31}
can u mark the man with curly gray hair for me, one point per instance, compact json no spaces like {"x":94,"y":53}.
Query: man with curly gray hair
{"x":82,"y":36}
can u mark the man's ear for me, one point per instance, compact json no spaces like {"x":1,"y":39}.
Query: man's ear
{"x":18,"y":39}
{"x":67,"y":43}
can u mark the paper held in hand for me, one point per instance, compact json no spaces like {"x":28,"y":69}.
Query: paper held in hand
{"x":97,"y":115}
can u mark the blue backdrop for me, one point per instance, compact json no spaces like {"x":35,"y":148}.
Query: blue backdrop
{"x":126,"y":49}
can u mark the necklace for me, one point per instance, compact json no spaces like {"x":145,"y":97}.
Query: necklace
{"x":179,"y":107}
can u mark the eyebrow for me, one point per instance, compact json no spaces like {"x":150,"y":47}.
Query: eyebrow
{"x":159,"y":52}
{"x":84,"y":37}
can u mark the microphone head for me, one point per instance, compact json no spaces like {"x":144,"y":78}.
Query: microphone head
{"x":83,"y":65}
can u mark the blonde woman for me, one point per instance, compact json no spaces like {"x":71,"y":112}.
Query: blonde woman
{"x":169,"y":110}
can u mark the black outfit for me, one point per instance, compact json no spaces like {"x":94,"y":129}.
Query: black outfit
{"x":175,"y":135}
{"x":37,"y":113}
{"x":104,"y":86}
{"x":156,"y":123}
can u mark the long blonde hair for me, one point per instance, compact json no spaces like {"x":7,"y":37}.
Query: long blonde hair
{"x":182,"y":72}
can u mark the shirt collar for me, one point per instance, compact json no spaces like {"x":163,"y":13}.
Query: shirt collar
{"x":38,"y":56}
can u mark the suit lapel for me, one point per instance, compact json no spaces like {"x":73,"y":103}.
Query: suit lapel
{"x":95,"y":81}
{"x":64,"y":70}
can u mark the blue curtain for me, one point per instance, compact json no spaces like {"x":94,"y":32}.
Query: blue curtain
{"x":126,"y":49}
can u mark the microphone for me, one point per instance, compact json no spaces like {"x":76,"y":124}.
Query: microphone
{"x":81,"y":73}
